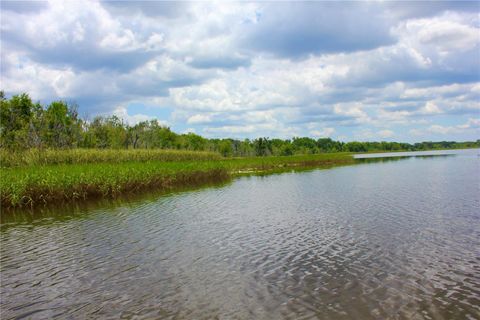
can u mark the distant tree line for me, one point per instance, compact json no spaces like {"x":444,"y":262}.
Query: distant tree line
{"x":25,"y":124}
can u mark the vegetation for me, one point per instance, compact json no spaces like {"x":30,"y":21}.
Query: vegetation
{"x":41,"y":185}
{"x":33,"y":157}
{"x":27,"y":125}
{"x":36,"y":185}
{"x":49,"y":154}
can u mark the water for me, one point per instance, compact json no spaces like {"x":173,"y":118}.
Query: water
{"x":382,"y":240}
{"x":415,"y":154}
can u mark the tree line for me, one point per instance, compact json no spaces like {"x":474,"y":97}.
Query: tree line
{"x":25,"y":124}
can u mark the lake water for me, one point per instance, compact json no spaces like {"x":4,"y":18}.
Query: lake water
{"x":395,"y":239}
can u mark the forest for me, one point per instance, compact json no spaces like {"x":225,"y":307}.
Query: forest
{"x":25,"y":124}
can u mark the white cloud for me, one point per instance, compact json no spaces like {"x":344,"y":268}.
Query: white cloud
{"x":232,"y":129}
{"x":199,"y":118}
{"x":442,"y":129}
{"x":430,"y":108}
{"x":201,"y":60}
{"x":189,"y":130}
{"x":385,"y":133}
{"x":416,"y":132}
{"x":454,"y":89}
{"x":472,"y":125}
{"x":322,"y":133}
{"x":370,"y":135}
{"x":122,"y":113}
{"x":444,"y":35}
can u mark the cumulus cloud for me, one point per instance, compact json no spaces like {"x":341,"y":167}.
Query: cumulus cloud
{"x":301,"y":28}
{"x":75,"y":35}
{"x":471,"y":125}
{"x":122,"y":113}
{"x":430,"y":108}
{"x":23,"y":7}
{"x":221,"y":62}
{"x":419,"y":9}
{"x":370,"y":134}
{"x":166,"y":9}
{"x":359,"y":70}
{"x":322,"y":133}
{"x":385,"y":133}
{"x":199,"y":118}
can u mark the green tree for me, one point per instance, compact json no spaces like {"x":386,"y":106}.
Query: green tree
{"x":262,"y":147}
{"x":194,"y":142}
{"x":225,"y":147}
{"x":63,"y":127}
{"x":304,"y":145}
{"x":15,"y":116}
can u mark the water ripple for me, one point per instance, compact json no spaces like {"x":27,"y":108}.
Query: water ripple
{"x":393,"y":240}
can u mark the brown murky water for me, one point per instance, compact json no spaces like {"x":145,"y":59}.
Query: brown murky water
{"x":387,"y":240}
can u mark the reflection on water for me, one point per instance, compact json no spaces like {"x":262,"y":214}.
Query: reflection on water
{"x":404,"y":154}
{"x":394,"y":239}
{"x":389,"y":158}
{"x":12,"y":217}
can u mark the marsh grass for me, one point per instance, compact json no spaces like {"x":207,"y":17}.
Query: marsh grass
{"x":255,"y":164}
{"x":30,"y":186}
{"x":34,"y":157}
{"x":34,"y":185}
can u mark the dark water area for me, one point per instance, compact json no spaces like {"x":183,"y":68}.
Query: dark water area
{"x":387,"y":239}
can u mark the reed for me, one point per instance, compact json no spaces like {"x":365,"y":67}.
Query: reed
{"x":36,"y":185}
{"x":33,"y":157}
{"x":30,"y":186}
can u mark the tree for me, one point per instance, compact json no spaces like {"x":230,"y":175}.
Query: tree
{"x":328,"y":145}
{"x":135,"y":134}
{"x":262,"y":147}
{"x":355,"y":146}
{"x":15,"y":115}
{"x":63,"y":127}
{"x":194,"y":142}
{"x":225,"y":147}
{"x":24,"y":124}
{"x":304,"y":145}
{"x":245,"y":149}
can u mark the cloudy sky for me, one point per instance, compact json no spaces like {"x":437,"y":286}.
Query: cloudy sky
{"x":378,"y":70}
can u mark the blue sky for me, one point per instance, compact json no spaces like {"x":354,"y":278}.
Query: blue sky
{"x":376,"y":70}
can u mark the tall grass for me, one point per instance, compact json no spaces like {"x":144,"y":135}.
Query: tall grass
{"x":34,"y":157}
{"x":30,"y":186}
{"x":45,"y":184}
{"x":255,"y":164}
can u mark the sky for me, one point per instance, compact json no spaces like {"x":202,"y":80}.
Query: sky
{"x":365,"y":71}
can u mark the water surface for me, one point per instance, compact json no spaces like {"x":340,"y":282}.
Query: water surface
{"x":379,"y":240}
{"x":428,"y":153}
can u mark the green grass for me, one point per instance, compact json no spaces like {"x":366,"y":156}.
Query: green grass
{"x":34,"y":157}
{"x":45,"y":184}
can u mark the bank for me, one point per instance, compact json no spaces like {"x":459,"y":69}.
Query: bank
{"x":37,"y":185}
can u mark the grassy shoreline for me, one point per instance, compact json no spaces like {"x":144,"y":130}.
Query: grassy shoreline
{"x":37,"y":185}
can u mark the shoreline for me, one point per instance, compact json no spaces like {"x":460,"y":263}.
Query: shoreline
{"x":37,"y":186}
{"x":40,"y":185}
